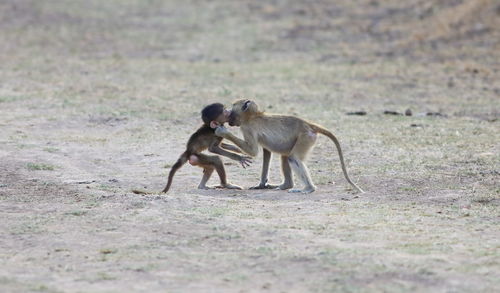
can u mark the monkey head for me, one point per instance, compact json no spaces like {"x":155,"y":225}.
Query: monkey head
{"x":241,"y":111}
{"x":215,"y":115}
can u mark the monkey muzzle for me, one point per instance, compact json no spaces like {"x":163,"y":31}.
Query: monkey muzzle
{"x":232,"y":119}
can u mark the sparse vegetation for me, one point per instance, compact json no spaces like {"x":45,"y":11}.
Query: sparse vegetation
{"x":104,"y":95}
{"x":39,"y":166}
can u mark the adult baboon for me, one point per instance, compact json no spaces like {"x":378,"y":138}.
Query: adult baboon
{"x":289,"y":136}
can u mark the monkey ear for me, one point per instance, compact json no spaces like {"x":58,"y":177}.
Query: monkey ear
{"x":245,"y":106}
{"x":214,"y":124}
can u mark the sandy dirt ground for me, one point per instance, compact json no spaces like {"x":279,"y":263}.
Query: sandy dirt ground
{"x":99,"y":97}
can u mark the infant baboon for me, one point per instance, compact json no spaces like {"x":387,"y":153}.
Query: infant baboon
{"x":204,"y":138}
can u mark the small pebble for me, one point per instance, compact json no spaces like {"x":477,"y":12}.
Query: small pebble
{"x":392,"y":113}
{"x":358,"y":113}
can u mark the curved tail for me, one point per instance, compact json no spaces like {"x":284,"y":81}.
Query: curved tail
{"x":326,"y":132}
{"x":181,"y":161}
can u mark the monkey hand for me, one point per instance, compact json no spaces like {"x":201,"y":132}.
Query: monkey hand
{"x":245,"y":161}
{"x":221,"y":131}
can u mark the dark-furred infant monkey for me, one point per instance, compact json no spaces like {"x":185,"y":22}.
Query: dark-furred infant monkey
{"x":204,"y":138}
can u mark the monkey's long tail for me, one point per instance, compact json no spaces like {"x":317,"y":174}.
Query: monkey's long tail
{"x":181,"y":161}
{"x":337,"y":144}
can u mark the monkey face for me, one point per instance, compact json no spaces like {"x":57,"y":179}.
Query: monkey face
{"x":240,"y":110}
{"x":233,"y":119}
{"x":221,"y":119}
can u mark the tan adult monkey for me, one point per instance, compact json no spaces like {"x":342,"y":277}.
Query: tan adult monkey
{"x":289,"y":136}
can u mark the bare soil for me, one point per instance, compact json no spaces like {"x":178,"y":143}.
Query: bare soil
{"x":99,"y":97}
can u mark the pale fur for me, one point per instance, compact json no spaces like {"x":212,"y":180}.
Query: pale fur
{"x":289,"y":136}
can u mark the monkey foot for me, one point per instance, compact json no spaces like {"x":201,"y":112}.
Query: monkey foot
{"x":284,"y":186}
{"x":305,"y":190}
{"x":205,"y":187}
{"x":227,"y":186}
{"x":264,"y":186}
{"x":230,"y":186}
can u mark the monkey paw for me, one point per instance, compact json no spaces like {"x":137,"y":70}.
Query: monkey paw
{"x":231,"y":186}
{"x":264,"y":186}
{"x":305,"y":190}
{"x":221,"y":131}
{"x":284,"y":186}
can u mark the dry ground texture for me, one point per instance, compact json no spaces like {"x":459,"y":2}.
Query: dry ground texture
{"x":99,"y":97}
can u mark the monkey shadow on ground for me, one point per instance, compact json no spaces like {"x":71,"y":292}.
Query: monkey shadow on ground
{"x":324,"y":192}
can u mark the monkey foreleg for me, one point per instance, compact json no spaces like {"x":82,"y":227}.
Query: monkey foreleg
{"x":249,"y":145}
{"x":265,"y":171}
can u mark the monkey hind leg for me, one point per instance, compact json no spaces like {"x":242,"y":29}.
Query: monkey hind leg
{"x":302,"y":172}
{"x":287,"y":174}
{"x":207,"y":172}
{"x":211,"y":163}
{"x":298,"y":155}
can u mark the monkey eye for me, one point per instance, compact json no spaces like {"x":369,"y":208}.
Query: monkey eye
{"x":245,"y":106}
